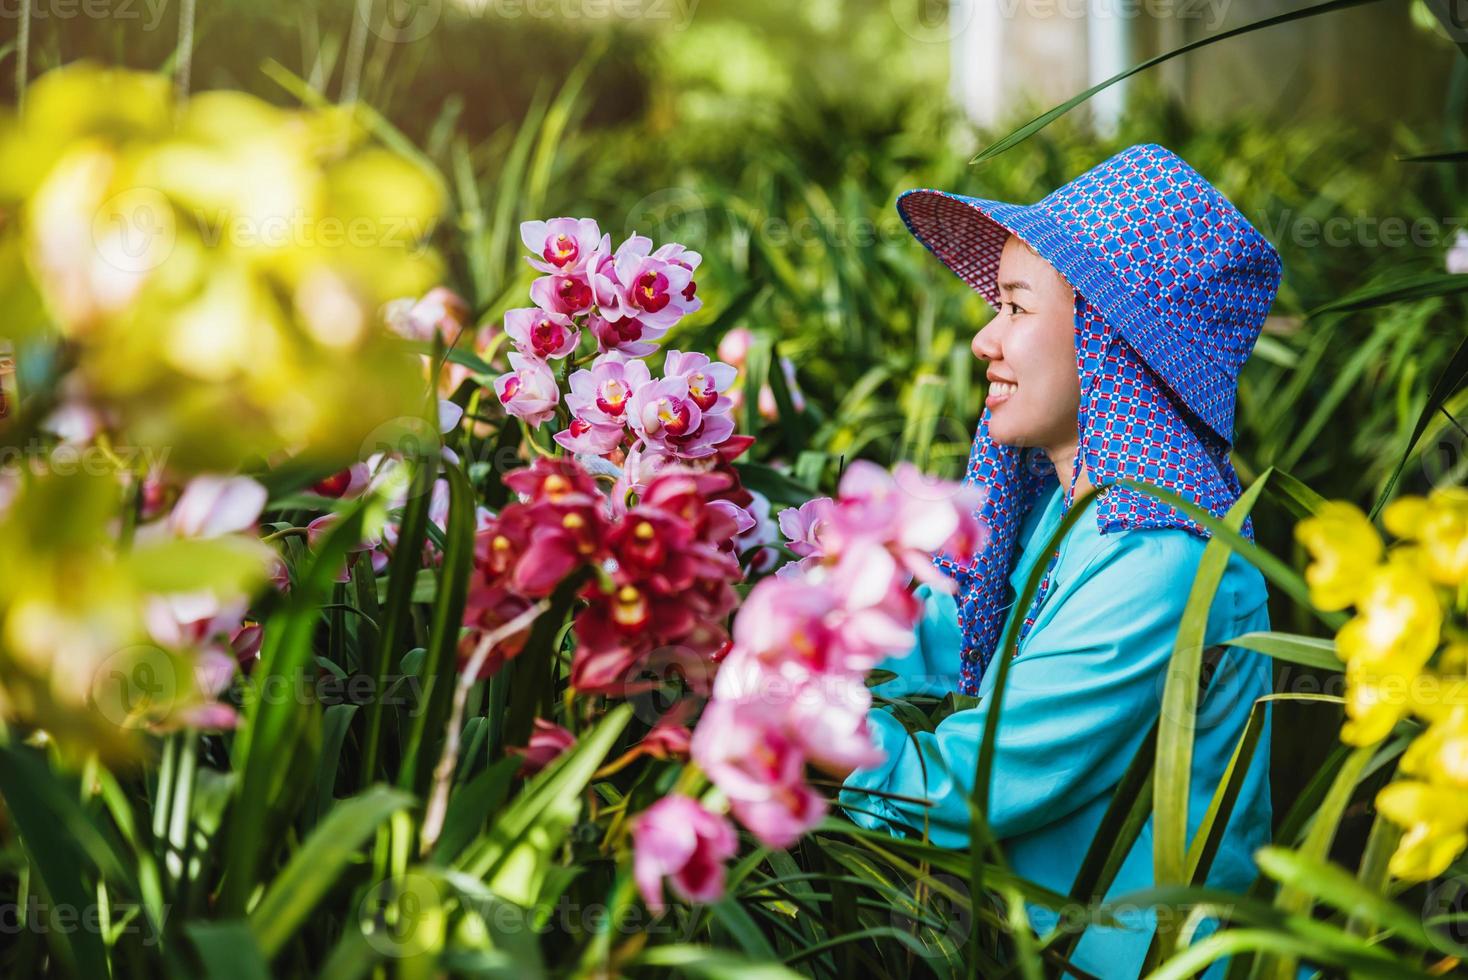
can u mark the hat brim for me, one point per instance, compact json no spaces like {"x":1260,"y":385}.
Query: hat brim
{"x":967,"y":234}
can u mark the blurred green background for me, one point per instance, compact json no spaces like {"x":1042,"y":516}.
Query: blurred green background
{"x":774,"y":138}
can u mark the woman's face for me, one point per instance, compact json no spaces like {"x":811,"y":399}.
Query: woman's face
{"x":1034,"y":388}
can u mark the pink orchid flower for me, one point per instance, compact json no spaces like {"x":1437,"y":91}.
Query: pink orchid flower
{"x":762,"y":532}
{"x":677,"y":839}
{"x":628,"y":335}
{"x":563,"y":246}
{"x":585,"y":436}
{"x":804,"y":526}
{"x":707,"y":380}
{"x":665,"y":416}
{"x":746,"y":749}
{"x":687,"y":258}
{"x":349,"y":483}
{"x":638,"y":284}
{"x":529,"y":391}
{"x":540,"y":333}
{"x":601,"y":393}
{"x":564,"y":295}
{"x":316,"y":532}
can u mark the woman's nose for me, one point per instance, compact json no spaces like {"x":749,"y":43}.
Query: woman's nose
{"x":985,"y":345}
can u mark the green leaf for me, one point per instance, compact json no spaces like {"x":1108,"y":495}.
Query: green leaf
{"x":314,"y":868}
{"x":471,"y":804}
{"x":397,"y":609}
{"x":1307,"y":651}
{"x":775,"y":485}
{"x":441,"y":661}
{"x":228,"y":950}
{"x":273,"y":727}
{"x":1450,"y":381}
{"x":1171,"y":787}
{"x":47,"y":817}
{"x":515,"y":854}
{"x":1334,"y":886}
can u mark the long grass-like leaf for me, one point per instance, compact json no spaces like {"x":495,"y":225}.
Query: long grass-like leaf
{"x":1046,"y":118}
{"x":314,"y":867}
{"x":441,"y":661}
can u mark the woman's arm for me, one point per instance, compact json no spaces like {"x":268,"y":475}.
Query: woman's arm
{"x":1077,"y":702}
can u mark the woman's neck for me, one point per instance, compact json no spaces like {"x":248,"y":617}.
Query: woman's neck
{"x":1064,"y":459}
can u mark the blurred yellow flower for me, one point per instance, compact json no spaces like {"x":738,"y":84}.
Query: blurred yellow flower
{"x":1344,"y":547}
{"x":1439,"y":524}
{"x":216,"y":260}
{"x":1397,"y":623}
{"x":76,"y":657}
{"x":1436,"y":822}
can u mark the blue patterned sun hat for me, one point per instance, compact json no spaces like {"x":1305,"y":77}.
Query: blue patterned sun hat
{"x":1172,"y":287}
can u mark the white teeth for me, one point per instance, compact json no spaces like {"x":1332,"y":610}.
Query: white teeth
{"x":1001,"y":388}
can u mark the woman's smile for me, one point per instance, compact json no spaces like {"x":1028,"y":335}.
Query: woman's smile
{"x":999,"y":393}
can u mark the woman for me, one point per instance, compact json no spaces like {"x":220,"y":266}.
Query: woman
{"x":1126,"y":302}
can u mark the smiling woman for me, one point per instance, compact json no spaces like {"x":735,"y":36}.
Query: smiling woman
{"x":1126,"y":302}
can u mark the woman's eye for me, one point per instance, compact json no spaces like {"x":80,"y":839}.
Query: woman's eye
{"x":1015,"y":309}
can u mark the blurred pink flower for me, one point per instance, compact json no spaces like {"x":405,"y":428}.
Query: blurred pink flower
{"x":749,"y":753}
{"x":677,"y":839}
{"x":547,"y":741}
{"x":769,"y":409}
{"x":734,"y":347}
{"x":211,"y":506}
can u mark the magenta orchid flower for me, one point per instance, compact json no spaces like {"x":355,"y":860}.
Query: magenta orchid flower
{"x":529,"y":391}
{"x":547,"y":741}
{"x":677,"y":839}
{"x":540,"y":333}
{"x":563,"y":246}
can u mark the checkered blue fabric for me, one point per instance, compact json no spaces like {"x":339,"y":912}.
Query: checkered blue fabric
{"x":1172,"y":286}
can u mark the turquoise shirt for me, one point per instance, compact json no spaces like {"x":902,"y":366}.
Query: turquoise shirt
{"x":1083,"y":691}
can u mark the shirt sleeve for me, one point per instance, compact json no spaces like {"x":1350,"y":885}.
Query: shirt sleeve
{"x":1080,"y":696}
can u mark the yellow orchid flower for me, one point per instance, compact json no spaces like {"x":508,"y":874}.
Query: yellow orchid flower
{"x":1344,"y":546}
